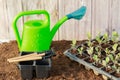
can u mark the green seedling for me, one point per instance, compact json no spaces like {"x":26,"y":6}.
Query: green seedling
{"x":105,"y":38}
{"x":117,"y":57}
{"x":89,"y":43}
{"x":114,"y":67}
{"x":89,"y":39}
{"x":111,"y":57}
{"x":98,"y":38}
{"x":73,"y":44}
{"x":115,"y":62}
{"x":115,"y":36}
{"x":89,"y":36}
{"x":107,"y":51}
{"x":98,"y":50}
{"x":118,"y":70}
{"x":118,"y":48}
{"x":114,"y":47}
{"x":107,"y":59}
{"x":90,"y":51}
{"x":96,"y":58}
{"x":80,"y":50}
{"x":105,"y":62}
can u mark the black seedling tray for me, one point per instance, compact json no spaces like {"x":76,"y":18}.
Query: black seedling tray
{"x":36,"y":68}
{"x":89,"y":65}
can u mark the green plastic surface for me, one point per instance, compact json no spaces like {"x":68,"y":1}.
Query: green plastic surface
{"x":36,"y":36}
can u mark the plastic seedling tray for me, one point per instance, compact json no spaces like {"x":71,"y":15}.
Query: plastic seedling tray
{"x":89,"y":65}
{"x":42,"y":68}
{"x":36,"y":68}
{"x":26,"y":69}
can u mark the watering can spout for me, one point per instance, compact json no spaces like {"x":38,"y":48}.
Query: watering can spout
{"x":78,"y":14}
{"x":57,"y":25}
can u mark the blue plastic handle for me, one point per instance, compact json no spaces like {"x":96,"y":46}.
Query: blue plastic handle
{"x":78,"y":14}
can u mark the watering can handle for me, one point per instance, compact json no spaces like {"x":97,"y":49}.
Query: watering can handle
{"x":25,"y":14}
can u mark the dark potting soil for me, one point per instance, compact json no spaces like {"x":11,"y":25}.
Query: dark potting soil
{"x":89,"y":60}
{"x":81,"y":56}
{"x":62,"y":67}
{"x":116,"y":74}
{"x":98,"y":65}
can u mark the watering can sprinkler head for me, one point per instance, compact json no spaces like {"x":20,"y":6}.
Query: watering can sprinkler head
{"x":36,"y":36}
{"x":78,"y":14}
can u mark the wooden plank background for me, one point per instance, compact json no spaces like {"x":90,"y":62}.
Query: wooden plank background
{"x":102,"y":16}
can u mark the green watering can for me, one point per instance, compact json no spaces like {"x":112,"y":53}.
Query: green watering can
{"x":36,"y":36}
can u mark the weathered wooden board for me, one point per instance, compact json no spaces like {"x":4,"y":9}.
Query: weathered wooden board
{"x":13,"y":7}
{"x":4,"y":30}
{"x":100,"y":16}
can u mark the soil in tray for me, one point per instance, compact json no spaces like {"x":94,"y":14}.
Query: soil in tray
{"x":89,"y":60}
{"x":108,"y":70}
{"x":62,"y":67}
{"x":73,"y":51}
{"x":98,"y":65}
{"x":116,"y":74}
{"x":81,"y":56}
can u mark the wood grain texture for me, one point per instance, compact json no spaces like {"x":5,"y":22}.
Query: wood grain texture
{"x":4,"y":30}
{"x":115,"y":15}
{"x":85,"y":25}
{"x":13,"y":7}
{"x":102,"y":16}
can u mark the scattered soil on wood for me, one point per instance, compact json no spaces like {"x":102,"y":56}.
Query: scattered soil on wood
{"x":62,"y":67}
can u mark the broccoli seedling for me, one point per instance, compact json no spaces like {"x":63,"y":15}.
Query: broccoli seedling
{"x":117,"y":57}
{"x":115,"y":36}
{"x":89,"y":39}
{"x":89,"y":36}
{"x":105,"y":38}
{"x":105,"y":62}
{"x":111,"y":57}
{"x":98,"y":38}
{"x":114,"y":67}
{"x":118,"y":70}
{"x":96,"y":58}
{"x":89,"y":43}
{"x":73,"y":44}
{"x":107,"y":51}
{"x":114,"y":47}
{"x":115,"y":62}
{"x":98,"y":50}
{"x":90,"y":51}
{"x":80,"y":50}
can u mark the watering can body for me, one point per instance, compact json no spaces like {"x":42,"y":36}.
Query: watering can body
{"x":36,"y":36}
{"x":36,"y":33}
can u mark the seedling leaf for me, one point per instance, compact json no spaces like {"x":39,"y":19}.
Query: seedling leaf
{"x":89,"y":36}
{"x":111,"y":57}
{"x":73,"y":44}
{"x":90,"y":50}
{"x":107,"y":59}
{"x":104,"y":63}
{"x":115,"y":47}
{"x":80,"y":50}
{"x":115,"y":36}
{"x":95,"y":57}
